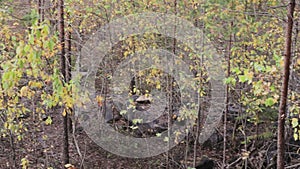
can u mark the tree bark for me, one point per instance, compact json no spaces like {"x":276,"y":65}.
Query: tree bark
{"x":68,"y":54}
{"x":284,"y":87}
{"x":61,"y":30}
{"x":69,"y":65}
{"x":39,"y":11}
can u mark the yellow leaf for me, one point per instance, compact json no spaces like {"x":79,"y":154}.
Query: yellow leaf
{"x":295,"y":122}
{"x":69,"y":166}
{"x":24,"y":91}
{"x":48,"y":121}
{"x":298,"y":61}
{"x":158,"y":86}
{"x":281,"y":62}
{"x":45,"y":137}
{"x":64,"y":112}
{"x":99,"y":100}
{"x":245,"y":155}
{"x":295,"y":136}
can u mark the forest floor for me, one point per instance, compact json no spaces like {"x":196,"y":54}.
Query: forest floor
{"x":42,"y":146}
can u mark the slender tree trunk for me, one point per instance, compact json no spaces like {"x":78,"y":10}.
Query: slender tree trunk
{"x":227,"y":98}
{"x":69,"y":50}
{"x":284,"y":87}
{"x":39,"y":11}
{"x":69,"y":64}
{"x":63,"y":71}
{"x":43,"y":11}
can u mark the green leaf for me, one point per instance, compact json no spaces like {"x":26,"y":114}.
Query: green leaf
{"x":107,"y":6}
{"x":51,"y":45}
{"x":230,"y":80}
{"x":14,"y":38}
{"x":26,"y":48}
{"x":123,"y":112}
{"x":295,"y":122}
{"x":45,"y":30}
{"x":38,"y":34}
{"x":296,"y":137}
{"x":242,"y":78}
{"x":31,"y":39}
{"x":48,"y":121}
{"x":19,"y":50}
{"x":24,"y":163}
{"x":136,"y":121}
{"x":270,"y":102}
